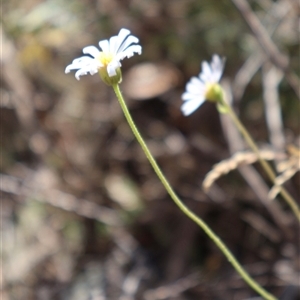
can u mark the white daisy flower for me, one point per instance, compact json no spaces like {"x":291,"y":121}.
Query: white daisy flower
{"x":107,"y":61}
{"x":201,"y":88}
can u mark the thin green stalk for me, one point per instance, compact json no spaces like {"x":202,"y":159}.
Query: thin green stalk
{"x":285,"y":194}
{"x":251,"y":282}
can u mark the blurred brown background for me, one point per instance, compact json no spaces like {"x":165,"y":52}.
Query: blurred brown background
{"x":83,"y":214}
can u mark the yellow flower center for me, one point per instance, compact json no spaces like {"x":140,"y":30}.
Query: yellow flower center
{"x":105,"y":58}
{"x":209,"y":91}
{"x":213,"y":92}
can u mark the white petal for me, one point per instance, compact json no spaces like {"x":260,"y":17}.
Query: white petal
{"x":112,"y":66}
{"x":187,"y":96}
{"x":217,"y":76}
{"x":114,"y":44}
{"x":104,"y":45}
{"x":195,"y":86}
{"x":130,"y":40}
{"x":206,"y":74}
{"x":217,"y":65}
{"x":91,"y":50}
{"x":216,"y":62}
{"x":129,"y":52}
{"x":93,"y":70}
{"x":79,"y":73}
{"x":122,"y":35}
{"x":69,"y":68}
{"x":190,"y":96}
{"x":83,"y":60}
{"x":116,"y":41}
{"x":85,"y":70}
{"x":78,"y":63}
{"x":189,"y":107}
{"x":72,"y":67}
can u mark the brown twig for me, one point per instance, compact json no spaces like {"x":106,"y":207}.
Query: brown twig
{"x":266,"y":43}
{"x":271,"y":79}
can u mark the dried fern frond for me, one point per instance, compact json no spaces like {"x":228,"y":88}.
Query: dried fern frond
{"x":238,"y":159}
{"x":288,"y":169}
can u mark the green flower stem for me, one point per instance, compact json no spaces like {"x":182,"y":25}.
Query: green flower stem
{"x":285,"y":194}
{"x":251,"y":282}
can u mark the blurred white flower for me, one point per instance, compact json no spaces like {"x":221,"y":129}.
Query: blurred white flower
{"x":107,"y":61}
{"x":201,"y":88}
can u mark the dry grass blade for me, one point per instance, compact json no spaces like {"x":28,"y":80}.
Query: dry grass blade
{"x":288,"y":169}
{"x":237,"y":160}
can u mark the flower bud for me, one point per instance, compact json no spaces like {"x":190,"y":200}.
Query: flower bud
{"x":116,"y":79}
